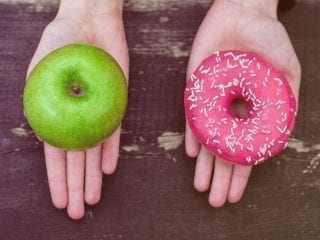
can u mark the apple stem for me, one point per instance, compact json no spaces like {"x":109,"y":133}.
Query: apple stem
{"x":76,"y":90}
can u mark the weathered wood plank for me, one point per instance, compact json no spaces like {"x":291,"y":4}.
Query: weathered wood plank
{"x":151,"y":194}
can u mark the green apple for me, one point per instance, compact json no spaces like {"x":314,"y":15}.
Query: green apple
{"x":75,"y":97}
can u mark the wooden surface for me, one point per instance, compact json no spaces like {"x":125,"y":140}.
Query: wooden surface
{"x":151,"y":195}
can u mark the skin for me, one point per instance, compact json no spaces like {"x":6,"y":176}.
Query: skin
{"x":236,"y":24}
{"x":75,"y":177}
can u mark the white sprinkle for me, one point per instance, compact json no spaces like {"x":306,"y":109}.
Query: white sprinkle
{"x":258,"y":66}
{"x":215,"y":141}
{"x":224,"y":120}
{"x":210,"y":108}
{"x":253,"y":131}
{"x":207,"y":100}
{"x":265,"y":132}
{"x":268,"y":72}
{"x":232,"y":55}
{"x":231,"y":130}
{"x":219,"y":150}
{"x":282,"y":130}
{"x":215,"y":98}
{"x":193,"y":106}
{"x":250,"y":148}
{"x":279,"y":80}
{"x":254,"y":120}
{"x":205,"y":112}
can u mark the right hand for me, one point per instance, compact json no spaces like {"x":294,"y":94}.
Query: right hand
{"x":246,"y":25}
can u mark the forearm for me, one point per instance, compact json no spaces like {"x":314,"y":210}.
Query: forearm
{"x":89,"y":8}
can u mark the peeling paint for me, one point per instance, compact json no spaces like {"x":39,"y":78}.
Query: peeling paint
{"x":131,"y":148}
{"x":170,"y":140}
{"x":172,"y":158}
{"x":21,"y":132}
{"x":300,"y":146}
{"x":163,"y":19}
{"x":313,"y":165}
{"x":178,"y":52}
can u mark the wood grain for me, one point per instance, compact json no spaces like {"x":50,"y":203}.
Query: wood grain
{"x":151,"y":194}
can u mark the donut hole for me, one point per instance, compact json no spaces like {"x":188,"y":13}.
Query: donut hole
{"x":239,"y":108}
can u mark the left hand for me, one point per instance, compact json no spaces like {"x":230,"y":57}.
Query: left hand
{"x":75,"y":177}
{"x":235,"y":24}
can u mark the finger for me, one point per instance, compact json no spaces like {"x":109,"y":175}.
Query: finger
{"x":93,"y":179}
{"x":56,"y":171}
{"x":75,"y":180}
{"x":203,"y":171}
{"x":220,"y":182}
{"x":110,"y":152}
{"x":239,"y":182}
{"x":192,"y":145}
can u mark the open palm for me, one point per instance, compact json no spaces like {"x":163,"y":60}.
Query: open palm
{"x":75,"y":177}
{"x":230,"y":25}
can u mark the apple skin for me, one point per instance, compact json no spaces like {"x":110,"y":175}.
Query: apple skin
{"x":75,"y":97}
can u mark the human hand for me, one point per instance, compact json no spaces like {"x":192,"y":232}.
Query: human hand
{"x":246,"y":25}
{"x":75,"y":177}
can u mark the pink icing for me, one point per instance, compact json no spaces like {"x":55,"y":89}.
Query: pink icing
{"x":229,"y":75}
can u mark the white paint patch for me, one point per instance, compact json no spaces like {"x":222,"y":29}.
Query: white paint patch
{"x":178,"y":52}
{"x":170,"y":140}
{"x":300,"y":147}
{"x":21,"y":132}
{"x":313,"y":165}
{"x":163,"y":19}
{"x":172,"y":158}
{"x":131,"y":148}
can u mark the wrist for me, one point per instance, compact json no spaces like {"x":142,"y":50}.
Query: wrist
{"x":267,"y":7}
{"x":89,"y":8}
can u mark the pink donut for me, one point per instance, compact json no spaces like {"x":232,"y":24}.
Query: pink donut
{"x":229,"y":75}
